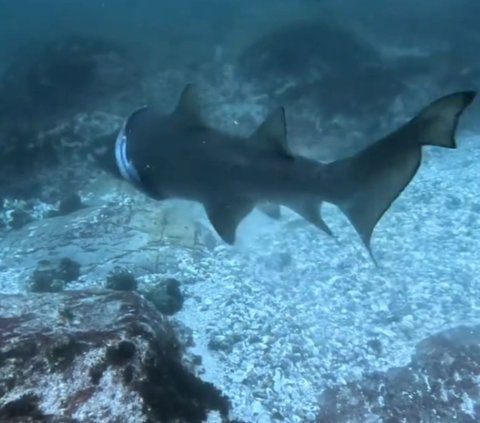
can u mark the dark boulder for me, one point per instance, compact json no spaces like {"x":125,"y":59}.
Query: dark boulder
{"x":49,"y":93}
{"x":63,"y":74}
{"x":439,"y":385}
{"x":322,"y":62}
{"x":68,"y":204}
{"x":165,"y":295}
{"x":19,"y":218}
{"x":84,"y":356}
{"x":296,"y":49}
{"x":52,"y":276}
{"x":120,"y":279}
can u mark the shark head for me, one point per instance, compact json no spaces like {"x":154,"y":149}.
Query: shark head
{"x":124,"y":163}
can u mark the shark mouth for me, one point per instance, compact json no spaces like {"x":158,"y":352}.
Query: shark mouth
{"x":125,"y":166}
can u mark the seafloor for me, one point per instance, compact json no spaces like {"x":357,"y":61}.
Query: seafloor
{"x":287,"y":311}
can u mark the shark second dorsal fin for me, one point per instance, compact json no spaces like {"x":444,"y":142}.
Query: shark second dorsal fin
{"x":189,"y":110}
{"x":272,"y":134}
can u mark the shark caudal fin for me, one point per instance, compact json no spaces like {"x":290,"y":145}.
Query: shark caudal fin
{"x":373,"y":178}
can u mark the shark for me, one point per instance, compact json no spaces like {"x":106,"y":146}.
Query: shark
{"x":178,"y":155}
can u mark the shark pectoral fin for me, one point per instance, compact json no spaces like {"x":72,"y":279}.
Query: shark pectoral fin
{"x":270,"y":209}
{"x":189,"y":109}
{"x":226,"y":215}
{"x":272,"y":134}
{"x":310,"y":211}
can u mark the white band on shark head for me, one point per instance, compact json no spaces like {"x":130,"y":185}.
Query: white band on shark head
{"x":125,"y":166}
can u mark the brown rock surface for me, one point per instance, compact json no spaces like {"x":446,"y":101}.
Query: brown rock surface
{"x":439,"y":385}
{"x":95,"y":356}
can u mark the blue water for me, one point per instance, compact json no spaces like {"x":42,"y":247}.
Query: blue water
{"x":287,"y":315}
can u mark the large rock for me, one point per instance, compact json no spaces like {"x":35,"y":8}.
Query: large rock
{"x":439,"y":385}
{"x":141,"y":235}
{"x":52,"y":160}
{"x":61,"y":75}
{"x":95,"y":356}
{"x":323,"y":62}
{"x":52,"y":97}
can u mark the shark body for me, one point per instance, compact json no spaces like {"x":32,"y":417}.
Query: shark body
{"x":178,"y":156}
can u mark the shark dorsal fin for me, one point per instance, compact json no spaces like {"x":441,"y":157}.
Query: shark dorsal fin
{"x":188,"y":109}
{"x":272,"y":134}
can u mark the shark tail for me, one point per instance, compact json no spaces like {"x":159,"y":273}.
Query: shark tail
{"x":368,"y":182}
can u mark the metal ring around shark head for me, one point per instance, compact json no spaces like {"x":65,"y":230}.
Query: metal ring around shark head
{"x":125,"y":166}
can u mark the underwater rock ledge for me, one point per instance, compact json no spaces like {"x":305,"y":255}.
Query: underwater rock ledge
{"x":440,"y":384}
{"x":96,"y":355}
